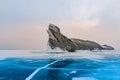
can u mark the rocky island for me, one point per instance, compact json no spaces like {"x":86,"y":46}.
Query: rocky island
{"x":58,"y":40}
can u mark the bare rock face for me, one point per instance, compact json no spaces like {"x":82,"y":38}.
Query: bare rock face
{"x":58,"y":40}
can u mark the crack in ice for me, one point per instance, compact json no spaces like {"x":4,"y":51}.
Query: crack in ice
{"x":37,"y":70}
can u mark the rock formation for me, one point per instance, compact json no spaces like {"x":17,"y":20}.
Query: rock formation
{"x":58,"y":40}
{"x":106,"y":47}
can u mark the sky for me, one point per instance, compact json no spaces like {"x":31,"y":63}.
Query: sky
{"x":23,"y":23}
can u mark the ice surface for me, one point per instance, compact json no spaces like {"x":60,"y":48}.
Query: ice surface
{"x":84,"y":78}
{"x":80,"y":65}
{"x":37,"y":70}
{"x":56,"y":54}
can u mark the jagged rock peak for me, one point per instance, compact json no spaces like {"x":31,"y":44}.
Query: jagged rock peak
{"x":58,"y":40}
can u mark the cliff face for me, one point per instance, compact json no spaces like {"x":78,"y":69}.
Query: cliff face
{"x":57,"y":39}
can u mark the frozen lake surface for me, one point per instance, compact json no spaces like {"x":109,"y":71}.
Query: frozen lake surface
{"x":81,"y":65}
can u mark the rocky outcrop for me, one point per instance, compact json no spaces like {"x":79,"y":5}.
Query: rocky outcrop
{"x":58,"y":40}
{"x":106,"y":47}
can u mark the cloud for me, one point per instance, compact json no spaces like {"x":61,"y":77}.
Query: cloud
{"x":87,"y":17}
{"x":104,"y":12}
